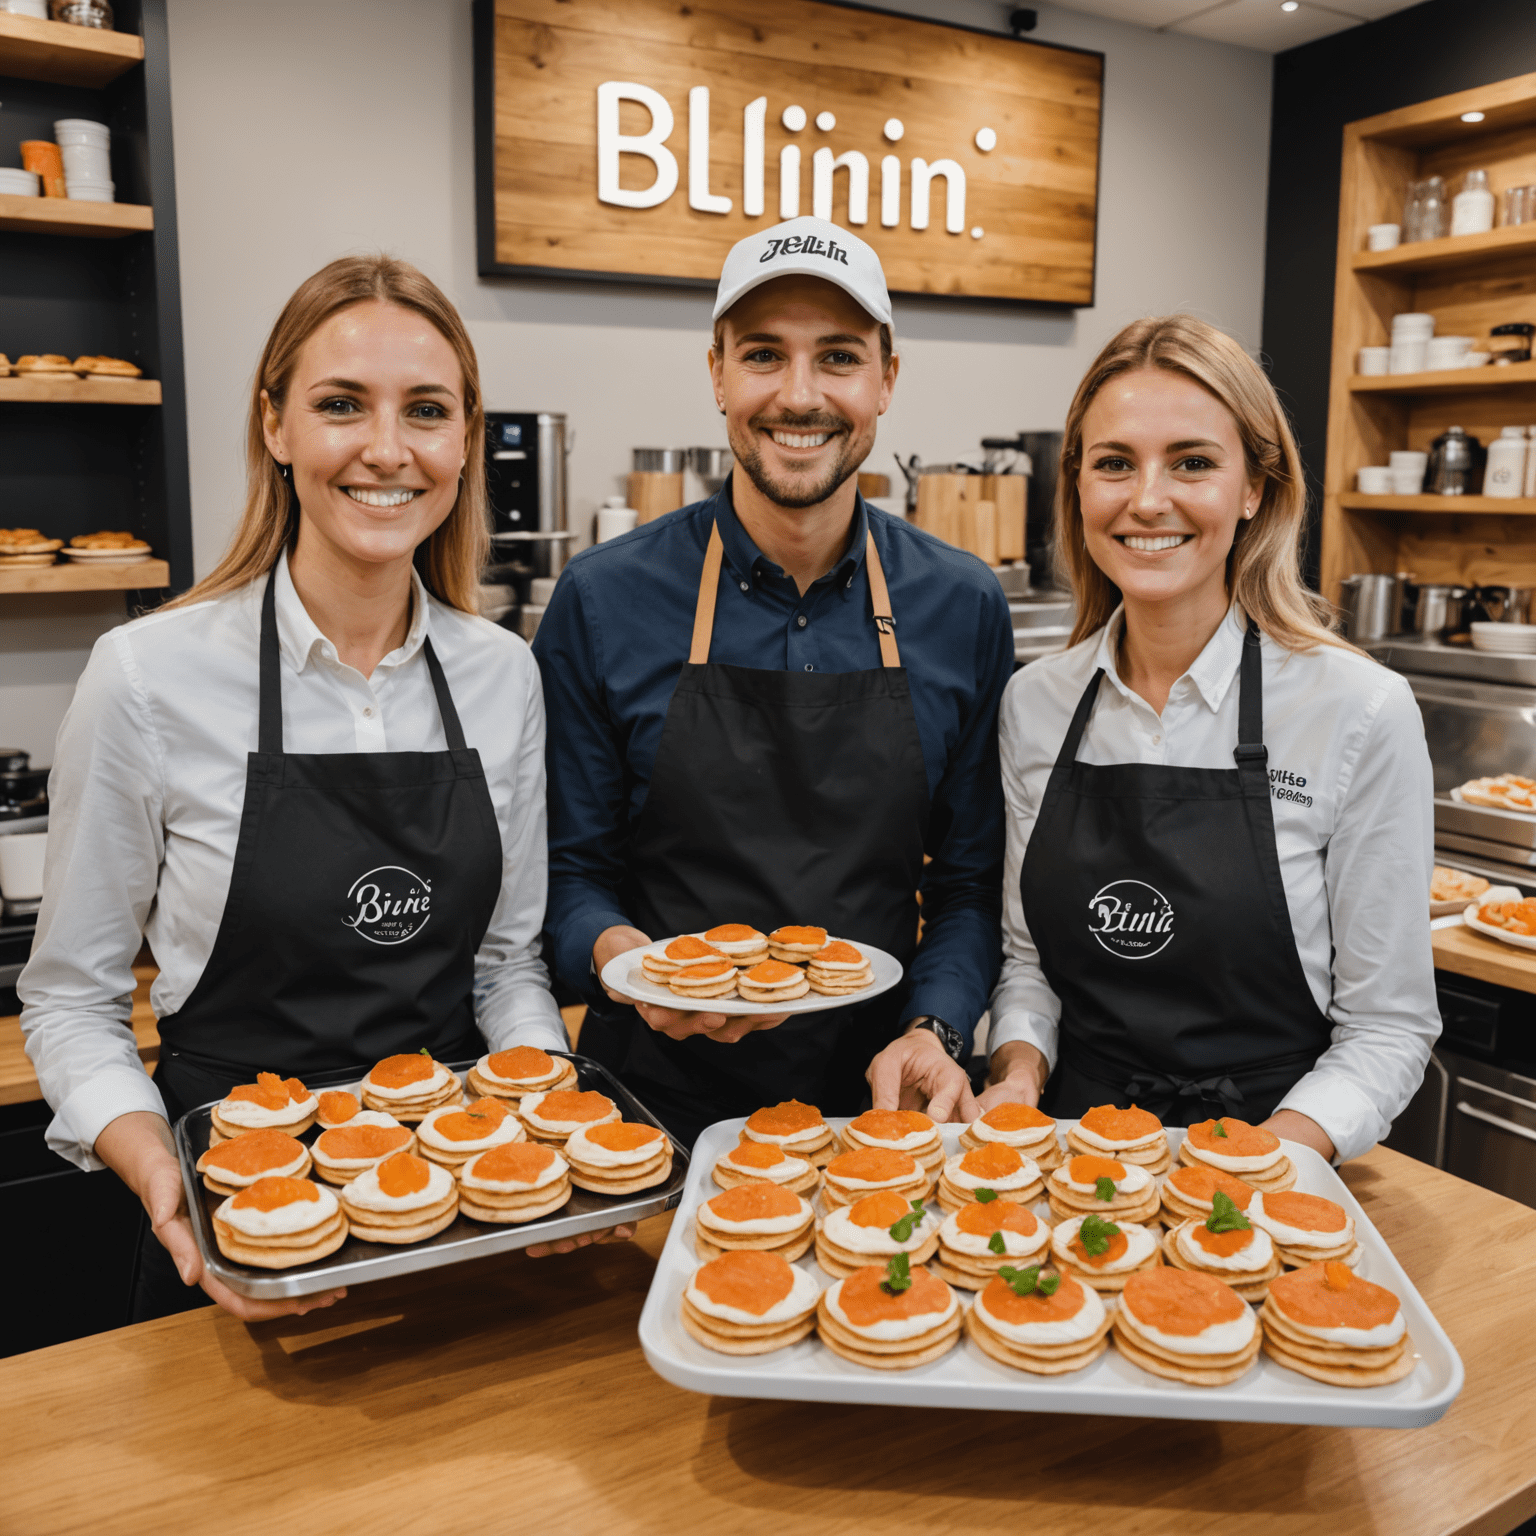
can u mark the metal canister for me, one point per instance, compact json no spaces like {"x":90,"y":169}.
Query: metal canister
{"x":1437,"y":610}
{"x":1373,"y":606}
{"x":660,"y":461}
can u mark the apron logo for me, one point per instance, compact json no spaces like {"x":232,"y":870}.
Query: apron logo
{"x":1131,"y":919}
{"x":390,"y":905}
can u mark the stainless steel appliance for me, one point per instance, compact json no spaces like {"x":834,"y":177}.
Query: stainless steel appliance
{"x":1373,"y":606}
{"x":525,"y":454}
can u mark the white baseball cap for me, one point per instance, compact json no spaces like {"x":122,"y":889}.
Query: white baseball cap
{"x":805,"y":247}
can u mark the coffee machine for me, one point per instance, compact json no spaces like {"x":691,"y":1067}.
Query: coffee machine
{"x":525,"y":454}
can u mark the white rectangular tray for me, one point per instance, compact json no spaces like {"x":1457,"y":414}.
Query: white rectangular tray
{"x":966,"y":1378}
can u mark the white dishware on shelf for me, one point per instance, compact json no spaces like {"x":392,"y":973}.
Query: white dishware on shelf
{"x":615,"y":517}
{"x":1445,"y":352}
{"x":1413,"y":323}
{"x":87,"y":162}
{"x":90,"y":191}
{"x":1505,"y":639}
{"x":1383,"y":237}
{"x":1472,"y":207}
{"x":1504,"y":474}
{"x":1476,"y":359}
{"x":37,"y":9}
{"x":1408,"y":356}
{"x":21,"y":865}
{"x":107,"y":556}
{"x":81,"y":130}
{"x":19,"y":183}
{"x":1374,"y":480}
{"x":1374,"y":361}
{"x":1407,"y":466}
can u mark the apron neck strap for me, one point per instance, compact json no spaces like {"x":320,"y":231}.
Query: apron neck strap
{"x":709,"y":589}
{"x":269,"y":731}
{"x":1250,"y":750}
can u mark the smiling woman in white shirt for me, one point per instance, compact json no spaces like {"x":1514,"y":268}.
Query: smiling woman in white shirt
{"x":315,"y":783}
{"x":1220,"y":827}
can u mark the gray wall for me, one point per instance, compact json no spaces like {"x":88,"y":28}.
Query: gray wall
{"x":304,"y":131}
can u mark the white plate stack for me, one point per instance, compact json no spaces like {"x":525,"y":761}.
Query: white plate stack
{"x":1505,"y":639}
{"x":87,"y":151}
{"x":1411,"y":334}
{"x":18,"y":183}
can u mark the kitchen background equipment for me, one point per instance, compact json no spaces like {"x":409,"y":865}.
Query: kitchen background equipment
{"x":525,"y":470}
{"x":1373,"y":605}
{"x":1438,"y":610}
{"x":711,"y":465}
{"x":1454,"y":467}
{"x":655,"y":485}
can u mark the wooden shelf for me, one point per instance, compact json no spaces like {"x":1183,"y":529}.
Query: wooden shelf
{"x":1502,"y":506}
{"x":65,"y":55}
{"x":66,"y":216}
{"x":1444,"y":381}
{"x":71,"y":389}
{"x":1453,"y":251}
{"x":67,"y":576}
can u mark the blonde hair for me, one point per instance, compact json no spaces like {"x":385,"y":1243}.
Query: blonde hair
{"x":452,"y":557}
{"x":1264,"y":565}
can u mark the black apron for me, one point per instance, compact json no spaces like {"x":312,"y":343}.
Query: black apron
{"x":1154,"y":897}
{"x":776,"y":798}
{"x":363,"y":883}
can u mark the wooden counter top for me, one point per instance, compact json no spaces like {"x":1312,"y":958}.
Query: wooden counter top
{"x":512,"y":1395}
{"x":1469,"y":953}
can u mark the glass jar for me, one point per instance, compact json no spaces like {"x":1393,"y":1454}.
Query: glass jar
{"x":83,"y":13}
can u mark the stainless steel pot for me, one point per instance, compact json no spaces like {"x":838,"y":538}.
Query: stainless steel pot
{"x":1373,"y":606}
{"x":660,"y":461}
{"x":1506,"y":605}
{"x":1437,"y":610}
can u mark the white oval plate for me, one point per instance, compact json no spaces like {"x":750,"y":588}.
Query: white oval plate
{"x":1497,"y":893}
{"x":623,"y":974}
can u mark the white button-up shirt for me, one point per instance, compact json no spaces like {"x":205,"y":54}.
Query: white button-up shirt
{"x":1352,"y":794}
{"x":146,"y":792}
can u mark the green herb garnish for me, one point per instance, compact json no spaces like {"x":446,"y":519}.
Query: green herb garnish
{"x":1103,"y":1189}
{"x":898,"y":1276}
{"x":1094,"y":1234}
{"x":1218,"y":1129}
{"x":984,"y":1196}
{"x":1225,"y":1216}
{"x":425,"y":1052}
{"x":901,"y":1229}
{"x":1025,"y":1282}
{"x":996,"y":1243}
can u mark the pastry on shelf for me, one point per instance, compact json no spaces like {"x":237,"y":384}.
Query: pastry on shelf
{"x":44,"y":362}
{"x":92,"y":366}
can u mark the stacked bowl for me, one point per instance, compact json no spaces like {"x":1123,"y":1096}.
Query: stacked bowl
{"x":17,"y":183}
{"x":87,"y":151}
{"x":1505,"y":639}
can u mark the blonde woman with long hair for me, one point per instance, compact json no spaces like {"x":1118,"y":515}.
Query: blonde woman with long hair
{"x":314,"y":783}
{"x":1219,"y":814}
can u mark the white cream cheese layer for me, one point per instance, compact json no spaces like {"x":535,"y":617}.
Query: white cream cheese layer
{"x":1140,"y":1245}
{"x":785,"y":1172}
{"x":1135,"y":1181}
{"x":869,"y":1186}
{"x":1026,"y":1175}
{"x":529,"y":1110}
{"x":1104,"y":1144}
{"x":285,"y":1221}
{"x":1030,"y":1136}
{"x":1070,"y":1330}
{"x":470,"y":1178}
{"x":840,"y":965}
{"x":423,"y":1089}
{"x":510,"y":1129}
{"x":758,"y":1226}
{"x":890,"y":1330}
{"x":1217,"y":1339}
{"x":1246,"y":1261}
{"x":914,"y":1141}
{"x":250,"y":1116}
{"x":365,"y":1194}
{"x":1229,"y":1164}
{"x":757,"y":945}
{"x":802,"y":1297}
{"x":594,"y":1154}
{"x":529,"y":1084}
{"x":288,"y":1170}
{"x":1299,"y":1237}
{"x":839,"y":1227}
{"x":809,"y":1137}
{"x":1378,"y":1337}
{"x":1015,"y":1244}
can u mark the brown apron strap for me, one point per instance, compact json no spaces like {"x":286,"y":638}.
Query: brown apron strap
{"x":880,"y":601}
{"x":709,"y":590}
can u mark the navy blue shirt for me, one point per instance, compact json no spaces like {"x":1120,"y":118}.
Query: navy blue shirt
{"x":614,"y":642}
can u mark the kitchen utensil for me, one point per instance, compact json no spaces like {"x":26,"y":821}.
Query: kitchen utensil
{"x":1407,"y":466}
{"x":1383,"y":237}
{"x":21,"y":865}
{"x":1438,"y":610}
{"x":1517,"y":210}
{"x":1511,"y":343}
{"x":1452,"y":463}
{"x":659,"y":461}
{"x":966,"y":1378}
{"x":1374,"y":480}
{"x":1373,"y":606}
{"x":711,"y":465}
{"x":1506,"y":606}
{"x":615,"y":517}
{"x":1374,"y":361}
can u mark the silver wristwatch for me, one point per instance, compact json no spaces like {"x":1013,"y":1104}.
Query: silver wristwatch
{"x":949,"y":1037}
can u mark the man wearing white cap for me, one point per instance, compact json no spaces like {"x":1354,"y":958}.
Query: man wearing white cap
{"x":767,"y":708}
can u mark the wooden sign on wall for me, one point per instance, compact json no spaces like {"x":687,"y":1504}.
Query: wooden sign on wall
{"x":642,"y":138}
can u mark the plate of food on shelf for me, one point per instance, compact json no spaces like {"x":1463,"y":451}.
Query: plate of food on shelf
{"x":27,"y":547}
{"x":1450,"y":891}
{"x":735,"y":968}
{"x":1503,"y":912}
{"x":107,"y":548}
{"x":1501,"y":792}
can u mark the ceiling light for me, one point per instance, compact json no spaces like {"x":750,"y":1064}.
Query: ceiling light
{"x":1471,"y":117}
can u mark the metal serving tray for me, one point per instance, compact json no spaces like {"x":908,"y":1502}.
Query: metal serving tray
{"x":966,"y":1378}
{"x":356,"y":1262}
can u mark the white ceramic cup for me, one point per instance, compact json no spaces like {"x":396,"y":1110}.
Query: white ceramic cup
{"x":1446,"y":351}
{"x":1374,"y":360}
{"x":612,"y":521}
{"x":86,"y":162}
{"x":81,"y":130}
{"x":1383,"y":237}
{"x":90,"y":191}
{"x":1374,"y":480}
{"x":17,"y":183}
{"x":1407,"y":356}
{"x":21,"y":865}
{"x":1413,"y":323}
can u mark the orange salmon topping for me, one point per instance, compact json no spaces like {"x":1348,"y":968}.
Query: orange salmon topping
{"x":522,"y":1061}
{"x":623,"y":1136}
{"x":770,"y":973}
{"x":996,"y":1216}
{"x":520,"y":1161}
{"x":991,"y":1160}
{"x":840,"y":952}
{"x":1181,"y":1301}
{"x":800,"y":938}
{"x":755,"y":1154}
{"x":1337,"y":1276}
{"x":785,"y":1119}
{"x":402,"y":1071}
{"x":1120,"y":1124}
{"x":1200,"y":1183}
{"x":690,"y":948}
{"x":272,"y":1193}
{"x":1008,"y":1307}
{"x":475,"y":1123}
{"x":755,"y":1202}
{"x":404,"y":1174}
{"x":249,"y":1154}
{"x":1116,"y":1250}
{"x":873,"y":1165}
{"x":731,"y":933}
{"x":1308,"y":1296}
{"x":1089,"y":1169}
{"x":351,"y":1141}
{"x":706,"y":970}
{"x":268,"y":1090}
{"x":1241,"y":1140}
{"x":891,"y":1124}
{"x":884,"y":1208}
{"x":1221,"y":1245}
{"x":1015,"y":1117}
{"x":747,"y":1278}
{"x":865,"y":1302}
{"x":336,"y":1106}
{"x":568,"y":1104}
{"x":1310,"y":1213}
